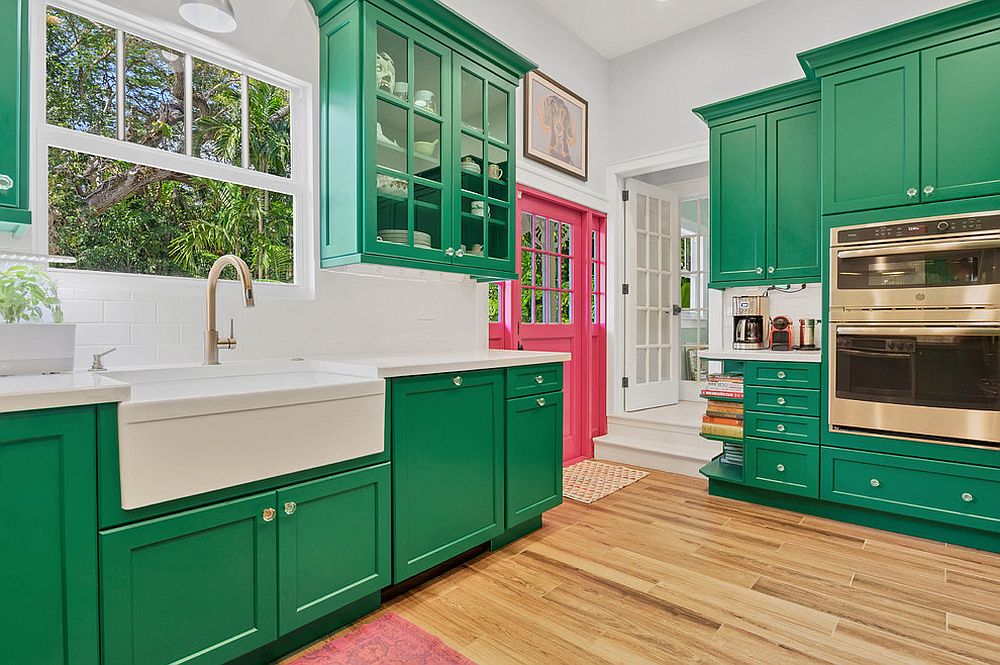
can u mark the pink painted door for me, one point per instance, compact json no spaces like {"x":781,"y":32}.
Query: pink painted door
{"x":558,"y":305}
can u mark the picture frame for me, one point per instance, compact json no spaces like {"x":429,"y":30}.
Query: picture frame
{"x":556,"y":126}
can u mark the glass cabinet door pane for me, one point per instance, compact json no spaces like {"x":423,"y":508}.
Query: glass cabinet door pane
{"x":428,"y":221}
{"x":472,"y":101}
{"x":496,"y":172}
{"x":498,"y":245}
{"x":391,"y":65}
{"x":474,"y":216}
{"x":472,"y":160}
{"x":426,"y":80}
{"x":392,"y":207}
{"x":391,"y":136}
{"x":426,"y":148}
{"x":498,"y":115}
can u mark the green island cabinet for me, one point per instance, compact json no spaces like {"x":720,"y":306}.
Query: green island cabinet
{"x":417,"y":117}
{"x":910,"y":112}
{"x":48,"y":543}
{"x":765,"y":216}
{"x":14,"y":76}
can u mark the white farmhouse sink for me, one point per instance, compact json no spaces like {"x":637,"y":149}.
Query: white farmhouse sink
{"x":190,"y":430}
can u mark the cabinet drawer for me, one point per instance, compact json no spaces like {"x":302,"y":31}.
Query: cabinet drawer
{"x":782,"y":427}
{"x":783,"y":467}
{"x":793,"y":375}
{"x":782,"y":400}
{"x":534,"y":379}
{"x":960,"y":494}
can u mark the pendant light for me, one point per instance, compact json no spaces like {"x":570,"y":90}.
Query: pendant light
{"x":209,"y":15}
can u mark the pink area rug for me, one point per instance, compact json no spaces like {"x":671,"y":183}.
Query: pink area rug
{"x":390,"y":639}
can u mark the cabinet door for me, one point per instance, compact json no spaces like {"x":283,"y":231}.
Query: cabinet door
{"x":534,"y":456}
{"x":871,"y":136}
{"x":333,"y":544}
{"x":961,"y":118}
{"x":14,"y":111}
{"x":409,"y":96}
{"x":48,"y":543}
{"x":447,"y":467}
{"x":483,"y":235}
{"x":738,"y":174}
{"x":198,"y":587}
{"x":793,"y":217}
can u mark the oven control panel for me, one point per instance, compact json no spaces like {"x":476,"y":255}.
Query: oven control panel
{"x":919,"y":228}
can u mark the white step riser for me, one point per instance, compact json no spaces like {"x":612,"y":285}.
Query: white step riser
{"x":673,"y":452}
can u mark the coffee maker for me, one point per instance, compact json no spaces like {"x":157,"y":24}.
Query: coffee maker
{"x":749,"y":321}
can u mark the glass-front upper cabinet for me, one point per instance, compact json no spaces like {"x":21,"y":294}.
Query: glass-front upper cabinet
{"x":412,"y":140}
{"x":483,"y":166}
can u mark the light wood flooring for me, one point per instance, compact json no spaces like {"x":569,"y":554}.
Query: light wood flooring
{"x":660,"y":572}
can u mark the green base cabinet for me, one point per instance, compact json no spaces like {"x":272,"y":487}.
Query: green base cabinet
{"x":14,"y":113}
{"x":48,"y":543}
{"x":783,"y":467}
{"x":417,"y":134}
{"x":534,"y":456}
{"x":448,"y":466}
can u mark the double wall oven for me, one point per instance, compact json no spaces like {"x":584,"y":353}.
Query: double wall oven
{"x":915,"y":329}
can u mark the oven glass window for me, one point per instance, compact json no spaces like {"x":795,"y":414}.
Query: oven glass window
{"x":962,"y":267}
{"x":948,"y":371}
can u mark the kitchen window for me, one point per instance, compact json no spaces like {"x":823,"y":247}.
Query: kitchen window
{"x":162,"y":155}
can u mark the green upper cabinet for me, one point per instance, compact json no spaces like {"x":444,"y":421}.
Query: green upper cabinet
{"x":961,"y":118}
{"x":14,"y":75}
{"x":48,"y":543}
{"x":417,"y":132}
{"x":871,"y":136}
{"x":764,"y":165}
{"x":448,"y":466}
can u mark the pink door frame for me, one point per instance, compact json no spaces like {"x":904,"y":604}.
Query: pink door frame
{"x":586,"y":336}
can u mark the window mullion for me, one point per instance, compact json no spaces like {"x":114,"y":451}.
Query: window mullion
{"x":188,"y":105}
{"x":120,"y":81}
{"x":245,"y":118}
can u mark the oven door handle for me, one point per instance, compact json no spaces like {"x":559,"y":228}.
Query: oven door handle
{"x":910,"y":248}
{"x":874,"y":354}
{"x":986,"y":329}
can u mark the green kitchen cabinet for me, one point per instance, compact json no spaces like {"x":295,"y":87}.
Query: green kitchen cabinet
{"x":48,"y":543}
{"x":198,"y":587}
{"x":14,"y":110}
{"x":334,"y":544}
{"x":533,"y":456}
{"x":960,"y":98}
{"x":417,"y":132}
{"x":765,"y":180}
{"x":448,"y":466}
{"x":792,"y":468}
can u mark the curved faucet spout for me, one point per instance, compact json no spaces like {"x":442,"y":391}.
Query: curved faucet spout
{"x":212,"y":341}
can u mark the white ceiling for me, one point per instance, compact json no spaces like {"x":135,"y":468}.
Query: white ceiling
{"x":616,"y":27}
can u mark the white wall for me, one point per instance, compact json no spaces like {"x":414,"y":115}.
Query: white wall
{"x":653,"y":90}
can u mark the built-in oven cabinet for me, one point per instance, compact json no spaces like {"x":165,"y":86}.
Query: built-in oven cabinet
{"x":958,"y":494}
{"x":916,"y":128}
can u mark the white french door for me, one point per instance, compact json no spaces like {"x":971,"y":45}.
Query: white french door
{"x":652,"y":304}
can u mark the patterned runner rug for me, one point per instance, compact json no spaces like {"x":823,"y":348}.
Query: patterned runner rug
{"x":588,"y":481}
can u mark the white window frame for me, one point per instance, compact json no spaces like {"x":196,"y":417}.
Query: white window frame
{"x":700,"y":315}
{"x":193,"y":44}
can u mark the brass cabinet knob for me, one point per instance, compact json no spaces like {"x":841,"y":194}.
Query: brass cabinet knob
{"x":876,"y":483}
{"x":968,"y":498}
{"x":780,"y":428}
{"x":458,"y":381}
{"x":540,"y":401}
{"x":269,"y":514}
{"x":781,"y":468}
{"x":539,"y":379}
{"x":6,"y":182}
{"x":781,"y":401}
{"x":290,"y":507}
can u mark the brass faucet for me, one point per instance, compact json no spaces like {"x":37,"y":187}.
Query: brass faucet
{"x":212,"y":341}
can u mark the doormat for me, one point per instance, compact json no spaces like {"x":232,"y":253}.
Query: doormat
{"x":588,"y":481}
{"x":389,"y":639}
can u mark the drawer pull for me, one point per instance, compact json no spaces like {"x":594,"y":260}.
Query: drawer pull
{"x":781,"y":401}
{"x":539,"y":379}
{"x":780,"y":428}
{"x":876,"y":483}
{"x":290,"y":507}
{"x":269,"y":514}
{"x":968,"y":498}
{"x":781,"y":468}
{"x":781,"y":375}
{"x":6,"y":182}
{"x":540,"y":401}
{"x":458,"y":381}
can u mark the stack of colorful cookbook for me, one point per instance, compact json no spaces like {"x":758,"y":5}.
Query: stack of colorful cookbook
{"x":724,"y":415}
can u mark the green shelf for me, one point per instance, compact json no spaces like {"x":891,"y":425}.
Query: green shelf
{"x":719,"y":470}
{"x":722,"y":439}
{"x":724,"y":399}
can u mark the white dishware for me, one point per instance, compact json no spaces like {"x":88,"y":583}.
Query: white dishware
{"x":425,"y":148}
{"x":469,"y":165}
{"x":385,"y":72}
{"x":496,"y":172}
{"x":424,"y":99}
{"x":382,"y":138}
{"x":390,"y":186}
{"x":479,"y":208}
{"x":401,"y":89}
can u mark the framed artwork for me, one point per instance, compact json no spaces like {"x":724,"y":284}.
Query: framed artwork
{"x":556,"y":131}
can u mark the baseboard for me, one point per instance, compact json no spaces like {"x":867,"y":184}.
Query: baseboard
{"x":683,"y":459}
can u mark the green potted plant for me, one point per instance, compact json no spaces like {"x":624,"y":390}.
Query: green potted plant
{"x":33,"y":337}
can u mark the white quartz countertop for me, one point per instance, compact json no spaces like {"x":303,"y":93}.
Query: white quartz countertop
{"x":764,"y":356}
{"x":26,"y":393}
{"x":415,"y":364}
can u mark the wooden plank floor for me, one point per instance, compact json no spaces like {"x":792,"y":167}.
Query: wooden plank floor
{"x":660,"y":572}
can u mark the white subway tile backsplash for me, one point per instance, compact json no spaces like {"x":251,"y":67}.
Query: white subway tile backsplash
{"x":102,"y":334}
{"x":179,"y":311}
{"x":123,"y":356}
{"x":102,"y":294}
{"x":179,"y":354}
{"x":156,"y":333}
{"x":82,"y":311}
{"x":129,"y":312}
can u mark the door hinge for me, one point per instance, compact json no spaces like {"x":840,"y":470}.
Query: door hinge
{"x":624,"y":382}
{"x":677,"y":310}
{"x":625,"y":195}
{"x":624,"y":289}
